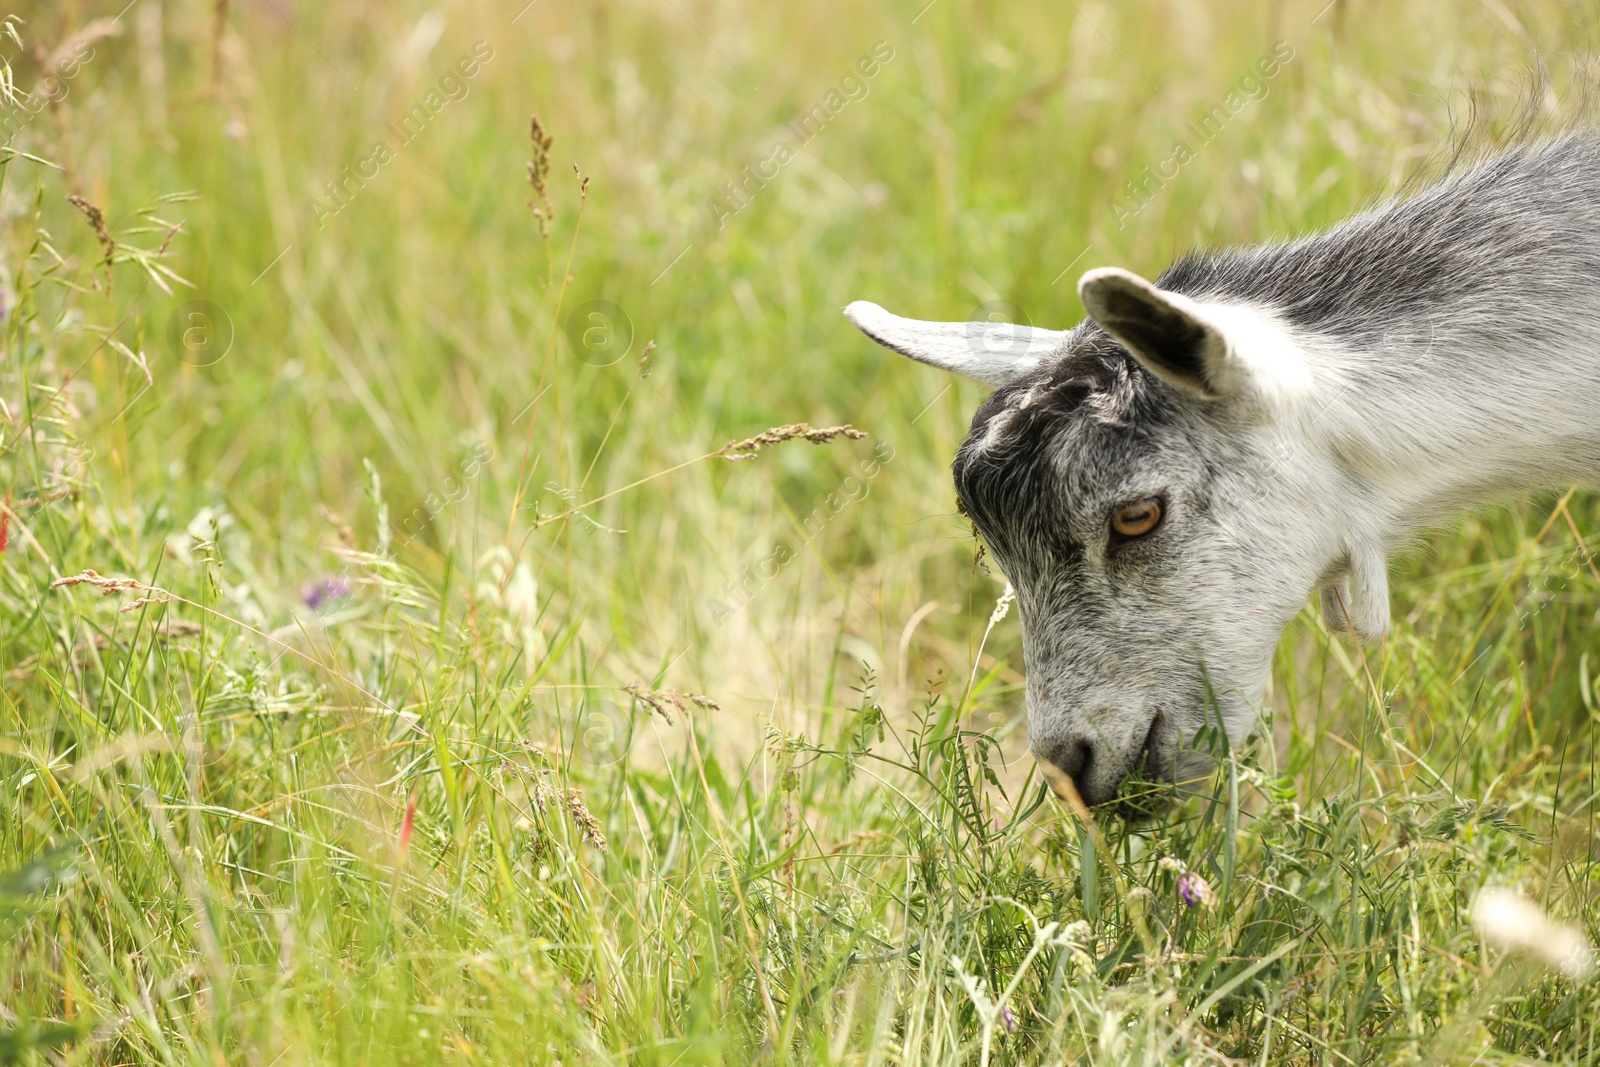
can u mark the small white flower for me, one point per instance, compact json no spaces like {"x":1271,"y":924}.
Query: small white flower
{"x":1511,"y":922}
{"x":1075,"y":933}
{"x":1250,"y":776}
{"x":1002,"y":606}
{"x":521,"y":596}
{"x":1172,"y":863}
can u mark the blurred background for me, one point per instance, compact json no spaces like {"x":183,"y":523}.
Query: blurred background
{"x":375,"y":285}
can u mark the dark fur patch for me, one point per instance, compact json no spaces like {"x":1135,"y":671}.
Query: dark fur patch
{"x":1171,"y":339}
{"x":1008,"y":484}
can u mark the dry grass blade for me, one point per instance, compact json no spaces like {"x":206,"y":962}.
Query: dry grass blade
{"x":219,"y":30}
{"x":341,"y":528}
{"x":97,"y":30}
{"x":733,"y":450}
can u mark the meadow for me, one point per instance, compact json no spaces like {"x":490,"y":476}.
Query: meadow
{"x":401,"y":665}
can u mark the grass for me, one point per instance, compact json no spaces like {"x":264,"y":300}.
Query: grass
{"x":412,"y":754}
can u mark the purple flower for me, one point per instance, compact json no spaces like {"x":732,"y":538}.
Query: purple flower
{"x":1009,"y":1019}
{"x":327,"y":590}
{"x":1193,"y":891}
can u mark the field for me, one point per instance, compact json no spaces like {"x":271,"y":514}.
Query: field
{"x":437,"y":685}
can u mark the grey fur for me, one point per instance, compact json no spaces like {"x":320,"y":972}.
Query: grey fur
{"x":1436,"y":353}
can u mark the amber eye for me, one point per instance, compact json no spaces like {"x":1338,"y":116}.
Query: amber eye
{"x":1138,"y":518}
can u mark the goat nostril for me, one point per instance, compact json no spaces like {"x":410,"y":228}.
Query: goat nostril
{"x":1083,"y":756}
{"x":1148,"y":750}
{"x":1066,"y":767}
{"x":1069,"y":759}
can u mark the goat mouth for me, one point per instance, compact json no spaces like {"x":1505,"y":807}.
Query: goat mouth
{"x":1147,"y":789}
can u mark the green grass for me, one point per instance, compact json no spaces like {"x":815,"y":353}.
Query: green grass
{"x":245,"y":830}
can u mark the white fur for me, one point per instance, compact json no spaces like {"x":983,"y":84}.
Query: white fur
{"x":1310,"y":407}
{"x":1265,"y":357}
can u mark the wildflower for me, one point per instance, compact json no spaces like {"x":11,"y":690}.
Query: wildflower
{"x":325,"y":591}
{"x":1194,"y":891}
{"x":1008,"y":1019}
{"x":408,"y":824}
{"x":1172,"y":863}
{"x":1513,"y":923}
{"x":521,"y":596}
{"x":1075,"y":933}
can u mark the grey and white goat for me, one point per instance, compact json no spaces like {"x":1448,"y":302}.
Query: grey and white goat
{"x":1165,"y":483}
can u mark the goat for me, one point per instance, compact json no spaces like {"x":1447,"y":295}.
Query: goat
{"x":1167,"y":482}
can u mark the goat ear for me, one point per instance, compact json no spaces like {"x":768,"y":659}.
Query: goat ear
{"x":1167,"y":332}
{"x":994,"y":353}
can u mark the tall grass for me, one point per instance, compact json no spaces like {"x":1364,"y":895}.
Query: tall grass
{"x":473,"y":703}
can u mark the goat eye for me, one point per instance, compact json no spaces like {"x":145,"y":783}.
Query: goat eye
{"x":1138,"y":518}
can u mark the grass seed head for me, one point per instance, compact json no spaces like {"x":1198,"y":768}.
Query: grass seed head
{"x":588,"y":825}
{"x":107,"y":586}
{"x":747,"y":448}
{"x":539,"y":172}
{"x":665,"y":701}
{"x":97,"y":219}
{"x":111,"y":586}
